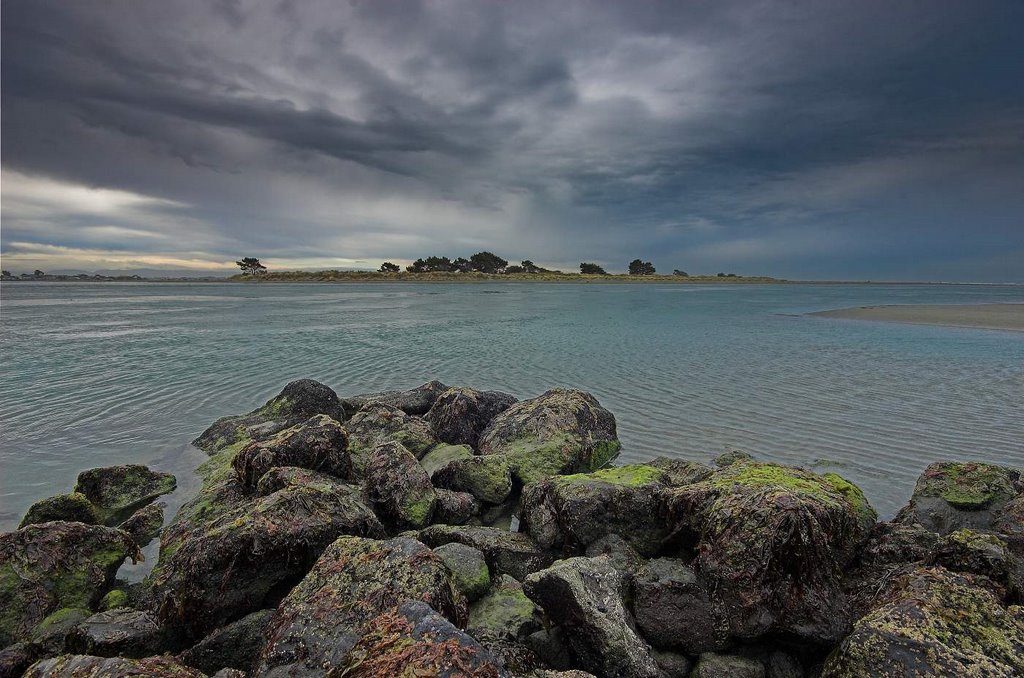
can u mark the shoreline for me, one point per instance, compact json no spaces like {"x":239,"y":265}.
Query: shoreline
{"x":995,"y":316}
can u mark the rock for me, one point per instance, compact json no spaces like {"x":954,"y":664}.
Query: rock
{"x":932,"y":622}
{"x":568,"y":513}
{"x":584,"y":596}
{"x":144,"y":525}
{"x":417,"y":401}
{"x":772,"y":545}
{"x":1010,"y":521}
{"x":504,"y":614}
{"x":296,"y":403}
{"x":542,"y":673}
{"x":674,"y":610}
{"x":229,"y":673}
{"x":353,"y":582}
{"x":117,"y":491}
{"x":55,"y":565}
{"x":783,"y":665}
{"x":732,"y":457}
{"x":562,"y":431}
{"x":414,"y":640}
{"x":377,"y":424}
{"x":511,"y":553}
{"x":51,"y":633}
{"x":85,"y":666}
{"x":549,"y":645}
{"x":469,"y":569}
{"x":114,"y":598}
{"x":680,"y":472}
{"x":442,"y":455}
{"x":620,"y":554}
{"x":242,"y":558}
{"x":983,"y":554}
{"x":489,"y":479}
{"x":459,"y":415}
{"x":236,"y":645}
{"x":951,"y":495}
{"x":15,"y":659}
{"x":711,"y":665}
{"x":117,"y":632}
{"x":455,"y":508}
{"x":673,"y":664}
{"x":73,"y":507}
{"x":398,"y":488}
{"x":319,"y":444}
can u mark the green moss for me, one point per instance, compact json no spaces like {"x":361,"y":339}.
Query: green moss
{"x":632,"y":475}
{"x":500,"y":613}
{"x":604,"y":452}
{"x":418,"y":512}
{"x":968,"y":486}
{"x":277,"y":406}
{"x":853,"y":495}
{"x":59,"y":618}
{"x":444,"y":454}
{"x":115,"y":598}
{"x":972,"y":539}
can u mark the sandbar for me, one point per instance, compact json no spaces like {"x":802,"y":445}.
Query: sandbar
{"x":982,"y":316}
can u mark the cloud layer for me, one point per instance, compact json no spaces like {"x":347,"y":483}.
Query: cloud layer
{"x":832,"y":139}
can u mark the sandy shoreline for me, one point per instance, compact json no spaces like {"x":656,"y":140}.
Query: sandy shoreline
{"x":982,"y":316}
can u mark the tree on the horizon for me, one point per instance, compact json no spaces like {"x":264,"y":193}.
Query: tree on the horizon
{"x":442,"y":264}
{"x":638,"y":267}
{"x":388,"y":267}
{"x":6,"y":274}
{"x":462,"y":265}
{"x":592,"y":269}
{"x":531,"y":267}
{"x":37,"y":273}
{"x":251,"y":266}
{"x":487,"y":262}
{"x":680,"y":273}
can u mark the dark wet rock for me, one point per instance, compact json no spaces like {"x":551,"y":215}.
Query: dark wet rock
{"x":619,"y":553}
{"x":73,"y":507}
{"x":584,"y":596}
{"x":296,"y":403}
{"x":562,"y":431}
{"x":51,"y":633}
{"x":511,"y":553}
{"x":505,"y":613}
{"x":488,"y":478}
{"x":377,"y":424}
{"x":674,"y":610}
{"x":550,"y":647}
{"x":236,"y":645}
{"x":469,"y":569}
{"x":983,"y":554}
{"x":679,"y":471}
{"x":711,"y":665}
{"x":772,"y":545}
{"x":673,"y":664}
{"x":55,"y":565}
{"x":85,"y":666}
{"x":951,"y":495}
{"x":318,"y":444}
{"x":144,"y":525}
{"x":567,"y":513}
{"x":890,"y":547}
{"x":1010,"y":521}
{"x":417,"y":401}
{"x":460,"y":415}
{"x":415,"y":640}
{"x":543,"y":673}
{"x":353,"y":582}
{"x":442,"y":455}
{"x":118,"y":491}
{"x":229,"y":673}
{"x":783,"y":665}
{"x":398,"y":488}
{"x":932,"y":622}
{"x":118,"y":632}
{"x":455,"y":508}
{"x":242,"y":558}
{"x":15,"y":659}
{"x":732,"y":457}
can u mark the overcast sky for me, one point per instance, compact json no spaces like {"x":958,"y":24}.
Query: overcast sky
{"x":854,"y":139}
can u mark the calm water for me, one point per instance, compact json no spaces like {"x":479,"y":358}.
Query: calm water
{"x":98,"y":374}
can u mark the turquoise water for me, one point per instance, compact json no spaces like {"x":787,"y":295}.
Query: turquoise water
{"x":98,"y":374}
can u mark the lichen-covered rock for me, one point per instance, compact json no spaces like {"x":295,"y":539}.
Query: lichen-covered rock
{"x":562,"y":431}
{"x":377,"y":424}
{"x":236,"y":645}
{"x":951,"y":495}
{"x":469,"y":569}
{"x":732,"y":457}
{"x":353,"y":582}
{"x":712,"y":665}
{"x":73,"y":507}
{"x":85,"y":666}
{"x":487,"y":478}
{"x":504,"y":614}
{"x":619,"y":553}
{"x":460,"y":415}
{"x":55,"y":565}
{"x":118,"y":491}
{"x":144,"y":525}
{"x":417,"y":401}
{"x":772,"y":545}
{"x":675,"y":665}
{"x":398,"y":488}
{"x":985,"y":554}
{"x":296,"y":403}
{"x":235,"y":561}
{"x":442,"y":455}
{"x":674,"y":610}
{"x":567,"y":513}
{"x":51,"y":633}
{"x":932,"y":622}
{"x":584,"y":596}
{"x":679,"y":471}
{"x":511,"y":553}
{"x":319,"y":444}
{"x":118,"y":632}
{"x":455,"y":508}
{"x":890,"y":547}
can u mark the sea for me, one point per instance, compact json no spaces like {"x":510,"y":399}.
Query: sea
{"x":94,"y":374}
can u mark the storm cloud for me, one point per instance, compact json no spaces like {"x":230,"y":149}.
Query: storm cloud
{"x":820,"y":140}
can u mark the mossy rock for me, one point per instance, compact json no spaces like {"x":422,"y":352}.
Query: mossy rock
{"x":511,"y":553}
{"x":952,"y":495}
{"x":504,"y":614}
{"x":377,"y":424}
{"x":442,"y":455}
{"x":460,"y":415}
{"x":319,"y":444}
{"x":236,"y":645}
{"x":398,"y":488}
{"x":983,"y":554}
{"x":114,"y":598}
{"x":144,"y":525}
{"x":118,"y":491}
{"x":85,"y":666}
{"x":73,"y":507}
{"x":488,"y":478}
{"x":416,"y":401}
{"x":468,"y":567}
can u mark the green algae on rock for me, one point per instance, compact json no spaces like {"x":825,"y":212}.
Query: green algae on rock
{"x":468,"y":567}
{"x":398,"y":488}
{"x":488,"y":478}
{"x":379,"y":423}
{"x":85,"y":666}
{"x":951,"y":495}
{"x":73,"y":507}
{"x":460,"y":415}
{"x":511,"y":553}
{"x":118,"y":491}
{"x":505,"y":613}
{"x":319,"y":444}
{"x":416,"y":401}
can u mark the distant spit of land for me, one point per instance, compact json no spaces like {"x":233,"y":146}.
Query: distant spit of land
{"x":982,"y":316}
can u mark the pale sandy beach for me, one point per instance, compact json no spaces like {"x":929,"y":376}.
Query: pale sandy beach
{"x":985,"y":316}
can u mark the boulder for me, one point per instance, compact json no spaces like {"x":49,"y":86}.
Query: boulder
{"x":932,"y":622}
{"x":673,"y":664}
{"x":460,"y":415}
{"x":550,"y":647}
{"x":118,"y":491}
{"x":51,"y":633}
{"x":468,"y":567}
{"x":584,"y":596}
{"x":377,"y":424}
{"x":296,"y":403}
{"x":398,"y":488}
{"x":712,"y":665}
{"x":619,"y":553}
{"x":951,"y":495}
{"x":504,"y":614}
{"x":85,"y":666}
{"x":674,"y":610}
{"x":417,"y":401}
{"x":1010,"y":521}
{"x":679,"y":471}
{"x":354,"y":582}
{"x":236,"y":645}
{"x":455,"y":508}
{"x":55,"y":565}
{"x":73,"y":507}
{"x":144,"y":525}
{"x":511,"y":553}
{"x":118,"y":632}
{"x":732,"y":457}
{"x":983,"y":554}
{"x":319,"y":444}
{"x":890,"y":547}
{"x":15,"y":659}
{"x":442,"y":455}
{"x":489,"y":478}
{"x":562,"y":431}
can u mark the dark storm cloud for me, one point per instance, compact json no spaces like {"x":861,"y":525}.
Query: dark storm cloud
{"x":798,"y":139}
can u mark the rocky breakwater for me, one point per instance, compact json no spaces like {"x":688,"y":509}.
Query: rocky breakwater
{"x":370,"y":536}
